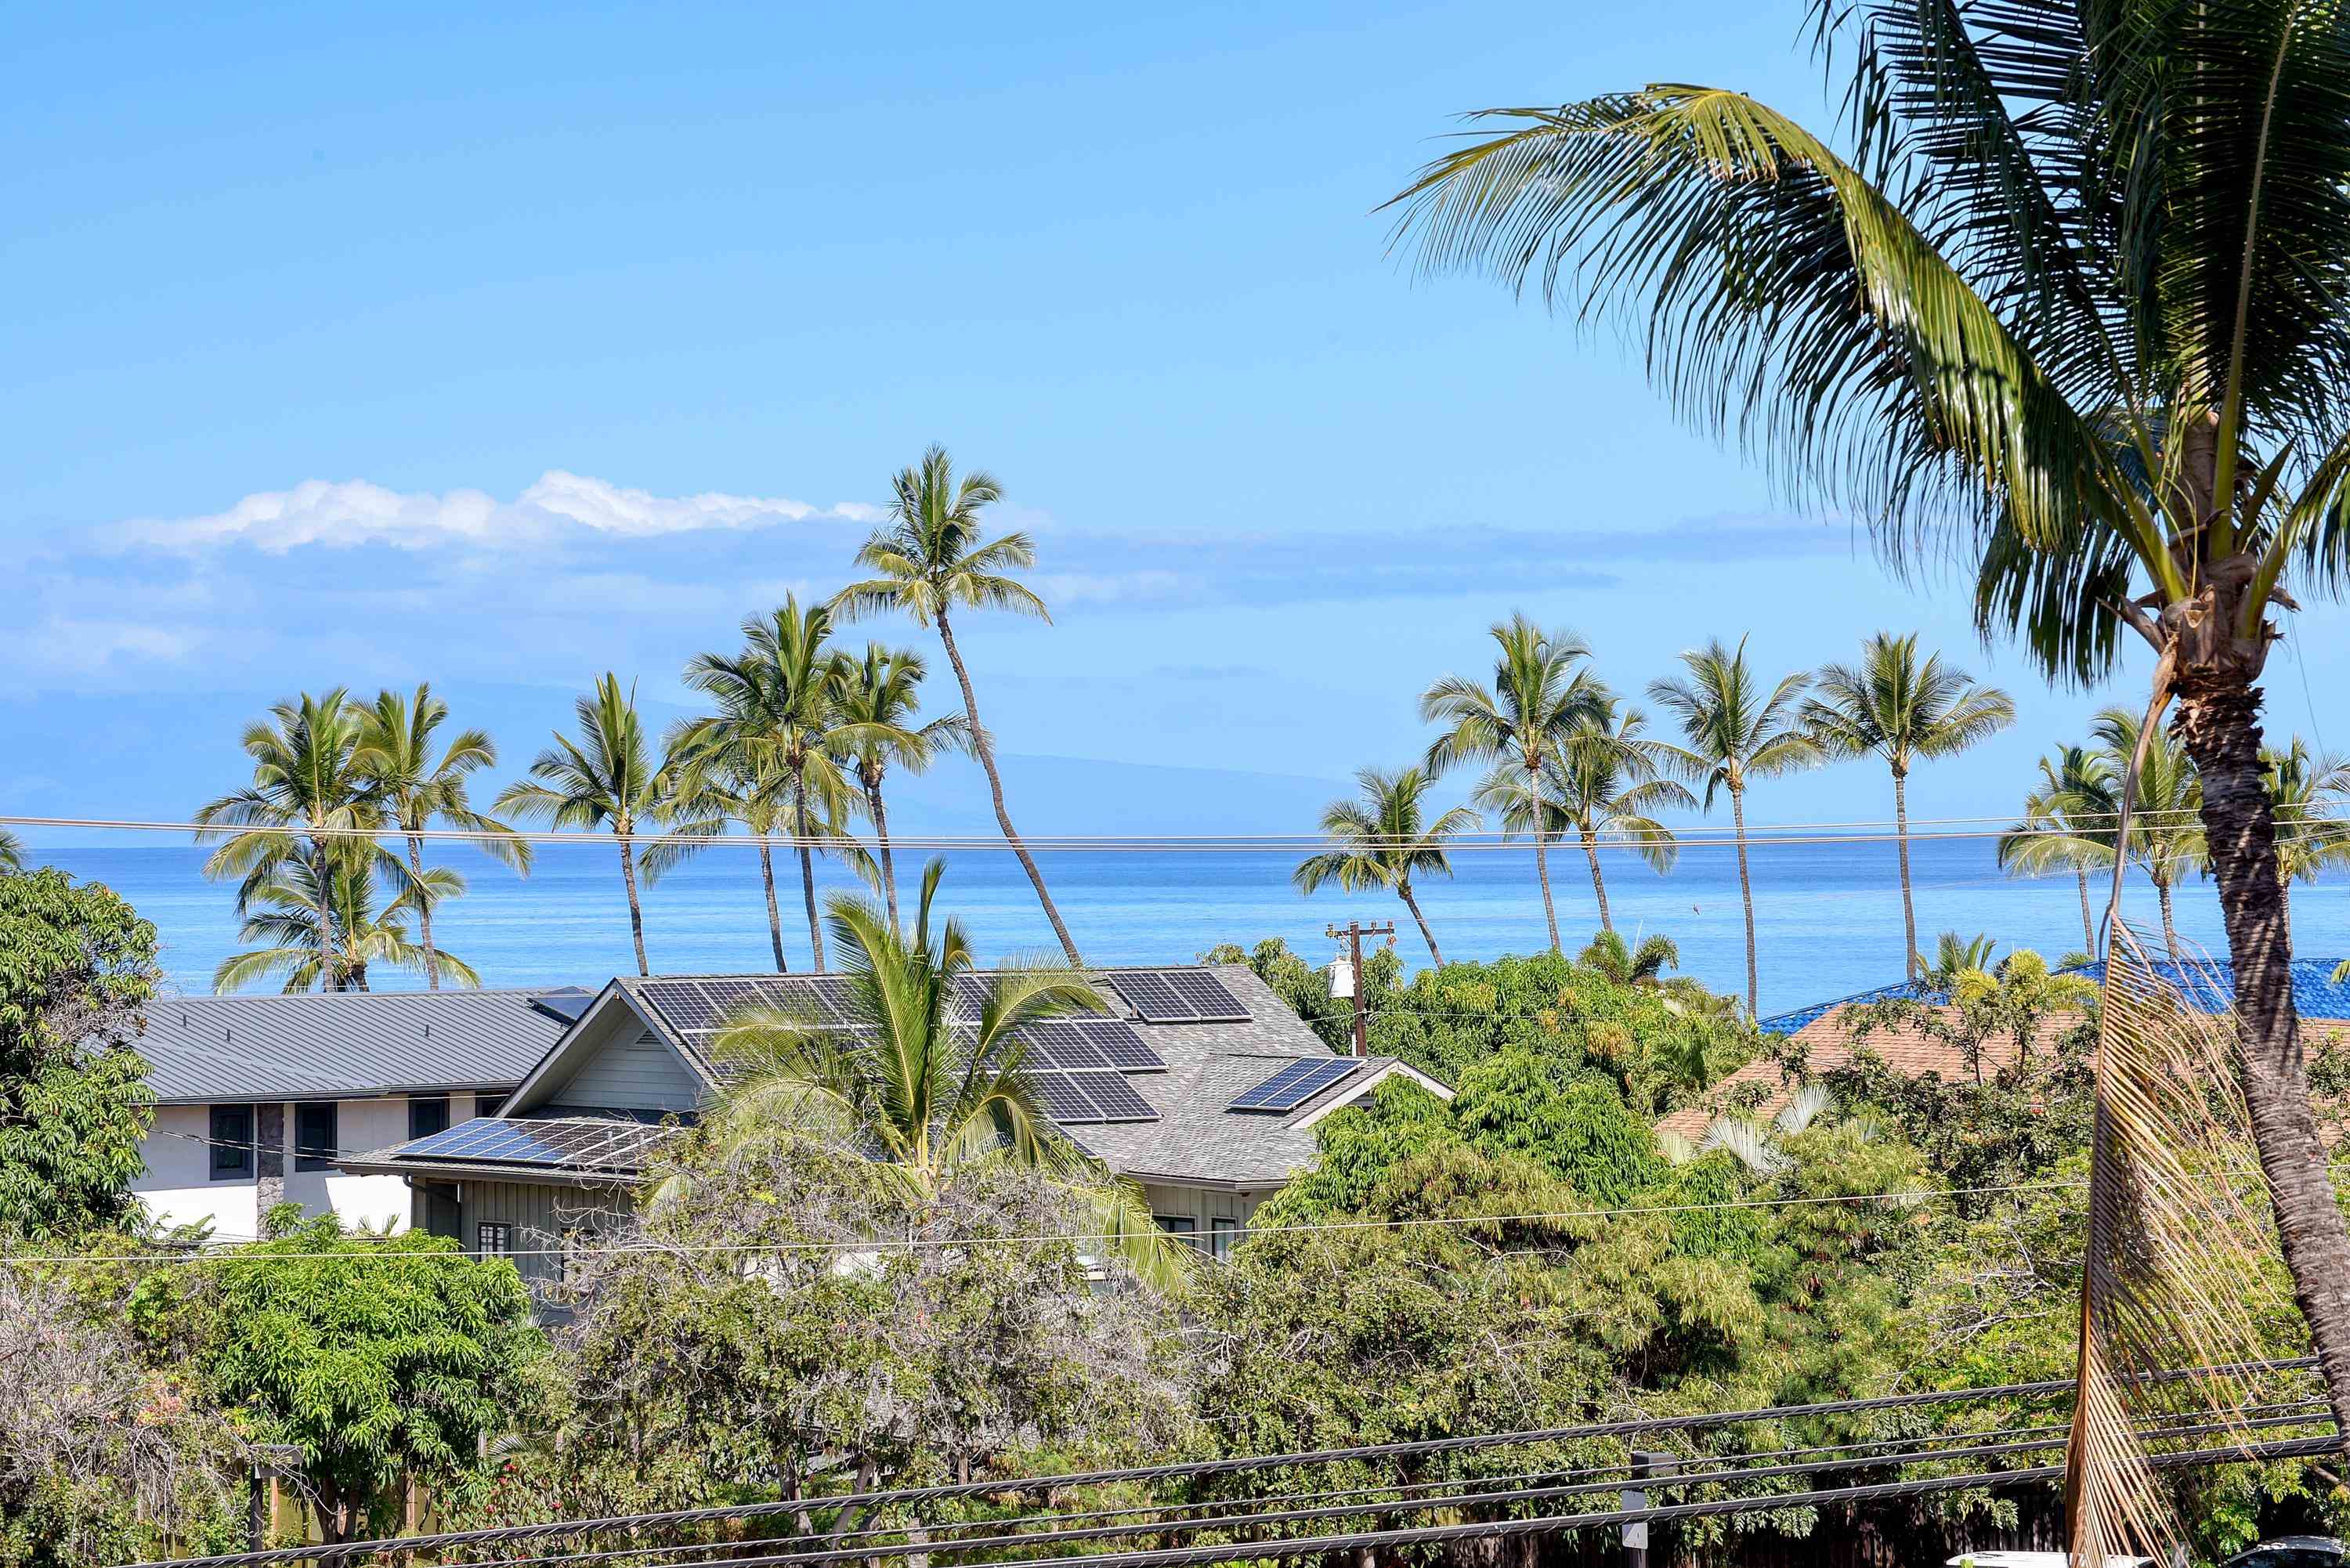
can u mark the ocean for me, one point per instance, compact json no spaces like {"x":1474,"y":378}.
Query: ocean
{"x":1828,"y":916}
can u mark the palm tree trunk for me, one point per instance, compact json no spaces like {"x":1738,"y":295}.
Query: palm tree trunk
{"x":1746,"y":897}
{"x":1598,"y":885}
{"x":423,"y":914}
{"x":774,"y":914}
{"x":807,"y":882}
{"x":1403,"y":889}
{"x":2219,"y":726}
{"x":1910,"y":965}
{"x":2169,"y":931}
{"x":636,"y":911}
{"x":2089,"y":921}
{"x":986,"y":750}
{"x":881,"y":840}
{"x":331,"y":946}
{"x":1541,"y":871}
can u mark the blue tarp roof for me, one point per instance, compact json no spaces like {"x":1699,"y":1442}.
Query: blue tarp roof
{"x":2314,"y":992}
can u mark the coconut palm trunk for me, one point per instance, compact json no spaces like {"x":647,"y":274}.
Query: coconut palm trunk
{"x":881,"y":842}
{"x":1598,"y":883}
{"x":636,"y":908}
{"x":1541,"y":873}
{"x":1403,"y":891}
{"x":986,"y":750}
{"x":2088,"y":920}
{"x":2219,"y":723}
{"x":1901,"y":843}
{"x":423,"y":914}
{"x":1746,"y":897}
{"x":774,"y":912}
{"x":807,"y":870}
{"x":2162,"y":897}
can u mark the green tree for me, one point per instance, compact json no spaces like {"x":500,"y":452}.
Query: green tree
{"x":1537,"y":699}
{"x":1643,"y":966}
{"x":416,"y":789}
{"x":1891,"y":706}
{"x":12,"y":853}
{"x":311,"y":799}
{"x":1955,"y":958}
{"x":2076,"y":308}
{"x":1737,"y":733}
{"x":2307,"y":790}
{"x":777,"y":717}
{"x":1381,"y":839}
{"x":930,"y":560}
{"x":912,"y":1078}
{"x":382,"y":1357}
{"x":2165,"y":831}
{"x":282,"y":914}
{"x":77,"y":968}
{"x":2071,"y":822}
{"x":878,"y":702}
{"x":1572,"y":1124}
{"x":1602,"y":783}
{"x":609,"y":778}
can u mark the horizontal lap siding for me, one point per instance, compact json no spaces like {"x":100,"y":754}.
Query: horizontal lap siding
{"x":640,"y":1075}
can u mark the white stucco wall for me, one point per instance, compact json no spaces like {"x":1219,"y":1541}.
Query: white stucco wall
{"x":177,"y":1190}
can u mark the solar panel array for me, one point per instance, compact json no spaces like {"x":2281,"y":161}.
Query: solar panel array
{"x":1296,"y":1084}
{"x":570,"y":1142}
{"x":1179,"y":996}
{"x":698,"y":1007}
{"x":1080,"y":1043}
{"x":1100,"y":1096}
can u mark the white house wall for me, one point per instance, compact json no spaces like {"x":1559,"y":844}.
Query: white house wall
{"x":177,"y":1190}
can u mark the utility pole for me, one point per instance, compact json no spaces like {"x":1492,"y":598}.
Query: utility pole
{"x":1636,"y":1534}
{"x":1352,"y":934}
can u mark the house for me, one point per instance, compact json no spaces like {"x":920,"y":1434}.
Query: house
{"x":1198,"y":1083}
{"x":1825,"y":1036}
{"x":257,"y":1097}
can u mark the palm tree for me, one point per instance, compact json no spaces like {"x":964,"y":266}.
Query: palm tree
{"x":1602,"y":783}
{"x":877,"y":704}
{"x":2305,"y":789}
{"x":1737,"y":733}
{"x":283,"y":913}
{"x":2070,"y":822}
{"x":933,"y":1089}
{"x":1641,"y":968}
{"x":1890,"y":706}
{"x":2077,"y":308}
{"x":12,"y":853}
{"x":2165,"y":834}
{"x":776,"y":715}
{"x":310,"y":800}
{"x":1382,"y":838}
{"x":930,"y":559}
{"x":608,"y":778}
{"x":1537,"y":698}
{"x":1954,"y":956}
{"x":750,"y":790}
{"x":417,"y":789}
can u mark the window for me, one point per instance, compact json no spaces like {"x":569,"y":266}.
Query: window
{"x":488,"y":1104}
{"x":1223,"y":1232}
{"x":491,"y":1240}
{"x":427,"y":1115}
{"x":232,"y":1143}
{"x":1181,"y":1225}
{"x":317,"y":1136}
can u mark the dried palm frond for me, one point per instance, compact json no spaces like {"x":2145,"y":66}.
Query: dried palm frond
{"x":2177,"y":1234}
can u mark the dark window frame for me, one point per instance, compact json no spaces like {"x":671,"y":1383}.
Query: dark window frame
{"x":493,"y":1239}
{"x":429,"y":1103}
{"x":1223,"y":1234}
{"x":229,"y":1143}
{"x":316,"y":1149}
{"x":490,"y":1104}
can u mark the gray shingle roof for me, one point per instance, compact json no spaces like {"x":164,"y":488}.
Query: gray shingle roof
{"x":331,"y":1046}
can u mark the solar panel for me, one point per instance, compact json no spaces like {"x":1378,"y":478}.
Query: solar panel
{"x":1100,"y":1096}
{"x":730,"y":997}
{"x":566,"y":1005}
{"x":1295,"y":1084}
{"x":688,"y":1009}
{"x":1210,"y":999}
{"x":577,"y":1143}
{"x":1158,"y":1001}
{"x":1117,"y":1042}
{"x":1055,"y":1044}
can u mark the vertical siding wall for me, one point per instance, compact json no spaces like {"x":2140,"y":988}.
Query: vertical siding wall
{"x":538,"y":1217}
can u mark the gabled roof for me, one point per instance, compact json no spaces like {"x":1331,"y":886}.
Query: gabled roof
{"x":2209,"y":986}
{"x":1196,"y":1136}
{"x":345,"y":1044}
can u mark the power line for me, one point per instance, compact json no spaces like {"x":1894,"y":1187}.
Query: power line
{"x":1192,"y":1469}
{"x":886,"y":1245}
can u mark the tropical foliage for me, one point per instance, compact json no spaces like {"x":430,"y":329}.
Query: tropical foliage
{"x":1383,"y":838}
{"x":361,"y":935}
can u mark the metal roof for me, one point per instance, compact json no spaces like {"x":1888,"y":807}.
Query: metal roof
{"x":2314,"y":992}
{"x":343,"y":1044}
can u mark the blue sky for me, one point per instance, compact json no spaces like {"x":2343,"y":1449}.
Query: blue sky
{"x":364,"y":346}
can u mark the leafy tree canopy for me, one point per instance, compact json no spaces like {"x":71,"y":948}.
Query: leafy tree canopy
{"x":76,"y":964}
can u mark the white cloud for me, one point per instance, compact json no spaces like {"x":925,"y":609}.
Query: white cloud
{"x":350,"y":513}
